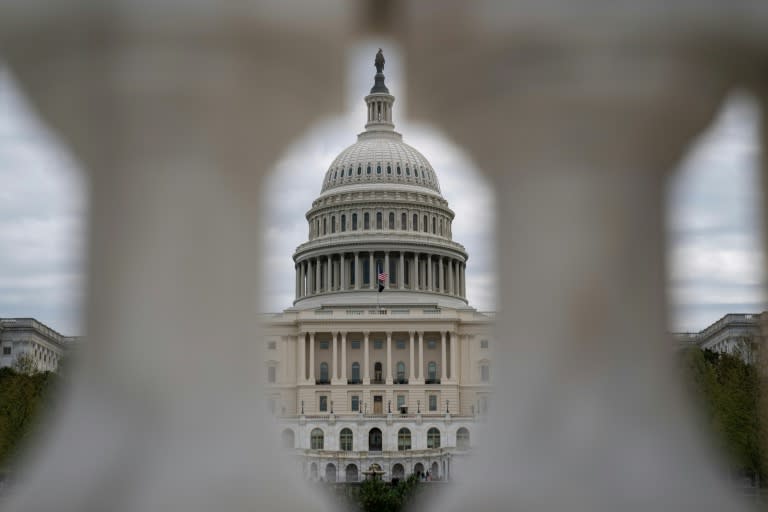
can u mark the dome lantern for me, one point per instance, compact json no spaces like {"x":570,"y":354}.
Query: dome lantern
{"x":379,"y":101}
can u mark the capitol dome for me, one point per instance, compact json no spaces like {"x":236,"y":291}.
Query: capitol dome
{"x":380,"y":157}
{"x":380,"y":230}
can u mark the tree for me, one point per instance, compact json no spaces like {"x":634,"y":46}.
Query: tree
{"x":23,"y":399}
{"x":728,"y":388}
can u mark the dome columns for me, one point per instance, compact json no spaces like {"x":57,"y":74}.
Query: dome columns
{"x":346,"y":271}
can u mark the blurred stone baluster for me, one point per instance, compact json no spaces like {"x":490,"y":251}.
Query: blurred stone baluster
{"x":177,"y":111}
{"x":577,"y":111}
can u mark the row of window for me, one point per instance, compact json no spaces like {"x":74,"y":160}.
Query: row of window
{"x":375,"y":438}
{"x":327,"y":224}
{"x":338,"y":174}
{"x":485,"y":373}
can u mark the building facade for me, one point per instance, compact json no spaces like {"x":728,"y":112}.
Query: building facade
{"x":380,"y":360}
{"x":27,"y":338}
{"x":735,"y":333}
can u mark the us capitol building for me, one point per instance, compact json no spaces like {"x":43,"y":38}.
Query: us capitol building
{"x":380,"y":361}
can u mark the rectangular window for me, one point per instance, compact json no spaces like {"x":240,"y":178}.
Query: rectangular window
{"x":485,"y":373}
{"x":431,"y":344}
{"x":400,"y":344}
{"x":483,"y":343}
{"x":403,"y":221}
{"x":415,"y":225}
{"x":378,"y":344}
{"x":366,"y":221}
{"x":6,"y":351}
{"x":343,"y":223}
{"x":355,"y":403}
{"x":271,"y":374}
{"x":272,"y":345}
{"x":323,"y":403}
{"x":433,"y":402}
{"x":378,"y":220}
{"x":354,"y":222}
{"x":391,"y":220}
{"x":324,"y":345}
{"x":400,"y":401}
{"x":333,"y":224}
{"x":356,"y":345}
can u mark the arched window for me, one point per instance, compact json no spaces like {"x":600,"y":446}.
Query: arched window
{"x":325,"y":225}
{"x":351,"y":473}
{"x":416,"y":172}
{"x":401,"y":371}
{"x":441,"y":227}
{"x":378,"y":169}
{"x":378,"y":220}
{"x":354,"y":222}
{"x":316,"y":439}
{"x":323,"y":372}
{"x":415,"y":226}
{"x":426,"y":224}
{"x":345,"y":440}
{"x":356,"y":372}
{"x":368,"y":170}
{"x":391,"y":220}
{"x":374,"y":440}
{"x":433,"y":438}
{"x":407,"y":171}
{"x":462,"y":439}
{"x":434,"y":226}
{"x":398,"y":170}
{"x":366,"y":221}
{"x":333,"y":223}
{"x":432,"y":370}
{"x":377,"y":372}
{"x":335,"y":174}
{"x":403,"y":221}
{"x":359,"y":170}
{"x":485,"y":372}
{"x":389,"y":169}
{"x":330,"y":472}
{"x":349,"y":173}
{"x":343,"y":223}
{"x":403,"y":439}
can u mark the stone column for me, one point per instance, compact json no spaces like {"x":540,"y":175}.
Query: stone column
{"x":411,"y":374}
{"x":386,"y":270}
{"x":342,"y":273}
{"x":312,"y":357}
{"x":389,"y":358}
{"x":343,"y":357}
{"x":454,"y":355}
{"x":301,"y":365}
{"x":401,"y":275}
{"x":366,"y":360}
{"x":441,"y":272}
{"x":416,"y":285}
{"x":296,"y":281}
{"x":371,"y":271}
{"x":442,"y":357}
{"x":420,"y":364}
{"x":335,"y":356}
{"x":357,"y":270}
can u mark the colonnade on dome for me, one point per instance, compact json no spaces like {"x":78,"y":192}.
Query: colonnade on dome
{"x":358,"y":270}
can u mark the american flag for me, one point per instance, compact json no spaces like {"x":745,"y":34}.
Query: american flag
{"x":383,"y":276}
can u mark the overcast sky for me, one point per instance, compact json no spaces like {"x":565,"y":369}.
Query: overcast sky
{"x":715,"y":249}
